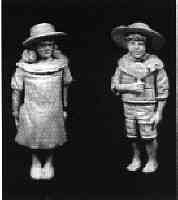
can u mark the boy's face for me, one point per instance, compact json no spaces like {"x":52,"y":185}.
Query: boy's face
{"x":45,"y":49}
{"x":136,"y":49}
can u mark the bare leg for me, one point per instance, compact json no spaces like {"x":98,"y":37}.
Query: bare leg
{"x":136,"y":163}
{"x":136,"y":151}
{"x":151,"y":149}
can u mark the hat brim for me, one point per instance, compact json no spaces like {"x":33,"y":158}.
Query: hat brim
{"x":119,"y":33}
{"x":54,"y":35}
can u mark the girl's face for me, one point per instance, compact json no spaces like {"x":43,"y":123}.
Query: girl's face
{"x":45,"y":49}
{"x":136,"y":49}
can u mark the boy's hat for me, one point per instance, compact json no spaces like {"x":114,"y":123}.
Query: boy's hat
{"x":119,"y":34}
{"x":41,"y":31}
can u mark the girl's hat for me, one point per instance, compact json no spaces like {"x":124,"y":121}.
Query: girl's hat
{"x":41,"y":31}
{"x":120,"y":33}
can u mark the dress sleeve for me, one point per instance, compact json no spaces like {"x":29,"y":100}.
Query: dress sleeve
{"x":17,"y":81}
{"x":67,"y":76}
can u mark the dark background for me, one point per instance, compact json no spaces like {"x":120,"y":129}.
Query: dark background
{"x":92,"y":163}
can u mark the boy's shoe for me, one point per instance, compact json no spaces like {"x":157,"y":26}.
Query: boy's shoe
{"x":35,"y":171}
{"x":150,"y":167}
{"x":47,"y":171}
{"x":134,"y":166}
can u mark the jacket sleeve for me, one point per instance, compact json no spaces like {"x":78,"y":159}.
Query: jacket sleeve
{"x":115,"y":79}
{"x":162,"y":85}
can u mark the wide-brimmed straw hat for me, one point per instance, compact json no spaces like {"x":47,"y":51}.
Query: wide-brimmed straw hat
{"x":119,"y":34}
{"x":42,"y":31}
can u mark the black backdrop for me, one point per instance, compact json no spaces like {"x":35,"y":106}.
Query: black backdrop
{"x":93,"y":159}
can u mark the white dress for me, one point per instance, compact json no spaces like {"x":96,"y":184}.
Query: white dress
{"x":41,"y":122}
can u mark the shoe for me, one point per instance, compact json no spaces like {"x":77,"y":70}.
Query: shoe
{"x":35,"y":171}
{"x":134,"y":166}
{"x":48,"y":171}
{"x":150,"y":167}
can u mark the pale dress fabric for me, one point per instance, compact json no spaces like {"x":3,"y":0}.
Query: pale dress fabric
{"x":41,"y":122}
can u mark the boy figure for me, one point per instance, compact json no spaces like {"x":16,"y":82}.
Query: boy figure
{"x":141,"y":80}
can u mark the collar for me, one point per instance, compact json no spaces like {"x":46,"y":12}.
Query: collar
{"x":41,"y":67}
{"x":142,"y":59}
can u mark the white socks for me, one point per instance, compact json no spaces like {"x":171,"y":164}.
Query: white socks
{"x":47,"y":171}
{"x":37,"y":172}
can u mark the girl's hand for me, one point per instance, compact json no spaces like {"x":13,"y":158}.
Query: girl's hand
{"x":16,"y":122}
{"x":29,"y":56}
{"x":16,"y":117}
{"x":65,"y":115}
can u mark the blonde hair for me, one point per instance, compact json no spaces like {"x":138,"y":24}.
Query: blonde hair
{"x":30,"y":55}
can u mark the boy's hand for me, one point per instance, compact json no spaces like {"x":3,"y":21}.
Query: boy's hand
{"x":137,"y":87}
{"x":156,"y":119}
{"x":113,"y":86}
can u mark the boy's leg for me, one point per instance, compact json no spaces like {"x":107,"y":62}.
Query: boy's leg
{"x":131,"y":134}
{"x":136,"y":162}
{"x":151,"y":146}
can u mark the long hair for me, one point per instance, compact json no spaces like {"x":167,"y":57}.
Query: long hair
{"x":30,"y":55}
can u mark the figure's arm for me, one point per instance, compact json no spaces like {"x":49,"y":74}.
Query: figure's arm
{"x":16,"y":94}
{"x":162,"y":89}
{"x":65,"y":97}
{"x":162,"y":95}
{"x":17,"y":88}
{"x":67,"y":79}
{"x":158,"y":113}
{"x":116,"y":84}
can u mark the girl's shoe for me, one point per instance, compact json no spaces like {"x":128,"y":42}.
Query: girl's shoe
{"x":150,"y":167}
{"x":48,"y":171}
{"x":35,"y":171}
{"x":134,"y":166}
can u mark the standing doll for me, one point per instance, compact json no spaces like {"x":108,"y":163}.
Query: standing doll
{"x":42,"y":75}
{"x":142,"y":81}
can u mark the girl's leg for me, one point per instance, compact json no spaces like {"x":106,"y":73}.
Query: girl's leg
{"x":35,"y":171}
{"x":48,"y":169}
{"x":136,"y":163}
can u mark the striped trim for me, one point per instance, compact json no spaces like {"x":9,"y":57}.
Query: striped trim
{"x":43,"y":73}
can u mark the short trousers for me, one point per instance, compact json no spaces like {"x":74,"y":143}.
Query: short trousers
{"x":139,"y":114}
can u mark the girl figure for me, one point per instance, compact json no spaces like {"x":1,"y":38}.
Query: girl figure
{"x":142,"y":81}
{"x":43,"y":75}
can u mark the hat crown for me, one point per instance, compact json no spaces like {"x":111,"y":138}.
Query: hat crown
{"x":41,"y":29}
{"x":139,"y":25}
